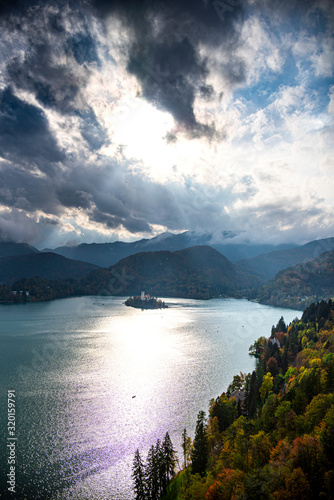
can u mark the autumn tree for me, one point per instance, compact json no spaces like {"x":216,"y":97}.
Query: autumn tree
{"x":213,"y":432}
{"x":225,"y":410}
{"x":229,"y":484}
{"x":186,"y":447}
{"x":296,"y":486}
{"x":272,"y":366}
{"x":327,"y":435}
{"x":267,"y":385}
{"x":260,"y":447}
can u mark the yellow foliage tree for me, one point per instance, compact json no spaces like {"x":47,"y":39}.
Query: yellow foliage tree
{"x":267,"y":386}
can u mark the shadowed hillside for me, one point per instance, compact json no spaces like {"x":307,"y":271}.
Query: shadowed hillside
{"x":197,"y":272}
{"x":45,"y":265}
{"x":9,"y":249}
{"x":300,"y":285}
{"x":266,"y":266}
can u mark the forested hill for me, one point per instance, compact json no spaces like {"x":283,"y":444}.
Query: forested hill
{"x":271,"y":434}
{"x":196,"y":272}
{"x":266,"y":266}
{"x":299,"y":286}
{"x":45,"y":265}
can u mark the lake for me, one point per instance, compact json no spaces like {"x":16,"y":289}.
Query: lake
{"x":94,"y":380}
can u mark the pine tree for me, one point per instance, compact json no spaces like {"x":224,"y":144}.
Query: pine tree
{"x":161,"y":467}
{"x":152,"y":478}
{"x":138,"y":474}
{"x":199,"y":456}
{"x":169,"y":458}
{"x":152,"y":475}
{"x":184,"y":446}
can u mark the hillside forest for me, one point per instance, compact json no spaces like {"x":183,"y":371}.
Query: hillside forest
{"x":270,"y":435}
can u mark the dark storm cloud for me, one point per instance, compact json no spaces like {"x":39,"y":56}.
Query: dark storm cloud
{"x":164,"y":53}
{"x":110,"y":221}
{"x":137,"y":226}
{"x":170,"y":75}
{"x":52,"y":54}
{"x":55,"y":63}
{"x":23,"y":189}
{"x":54,"y":85}
{"x":116,"y":196}
{"x":110,"y":195}
{"x":8,"y":7}
{"x":25,"y":133}
{"x":133,"y":225}
{"x":70,"y":196}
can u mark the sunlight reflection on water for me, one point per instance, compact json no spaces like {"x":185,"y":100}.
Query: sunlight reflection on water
{"x":96,"y":380}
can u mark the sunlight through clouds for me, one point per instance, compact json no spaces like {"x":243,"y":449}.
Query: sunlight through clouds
{"x":125,"y":120}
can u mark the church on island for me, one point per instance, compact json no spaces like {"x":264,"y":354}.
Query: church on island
{"x":145,"y":297}
{"x":145,"y":302}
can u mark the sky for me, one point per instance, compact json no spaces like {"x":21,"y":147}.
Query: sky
{"x":121,"y":120}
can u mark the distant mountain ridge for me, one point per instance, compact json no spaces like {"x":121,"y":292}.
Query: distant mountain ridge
{"x":107,"y":254}
{"x":266,"y":266}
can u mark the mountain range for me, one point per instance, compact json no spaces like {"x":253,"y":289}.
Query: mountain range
{"x":197,"y":271}
{"x":266,"y":266}
{"x":107,"y":254}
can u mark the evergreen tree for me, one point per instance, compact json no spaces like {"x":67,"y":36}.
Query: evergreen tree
{"x":152,"y":474}
{"x":169,"y":458}
{"x":138,"y":474}
{"x":252,"y":396}
{"x":161,"y":467}
{"x":199,"y":456}
{"x":151,"y":479}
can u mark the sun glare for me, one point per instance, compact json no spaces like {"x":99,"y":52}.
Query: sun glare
{"x":141,"y":129}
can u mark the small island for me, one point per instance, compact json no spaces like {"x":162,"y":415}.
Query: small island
{"x":145,"y":302}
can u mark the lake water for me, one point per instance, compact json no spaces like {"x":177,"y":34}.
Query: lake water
{"x":95,"y":380}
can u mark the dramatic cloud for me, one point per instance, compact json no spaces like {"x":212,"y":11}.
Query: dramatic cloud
{"x":25,"y":133}
{"x":123,"y":119}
